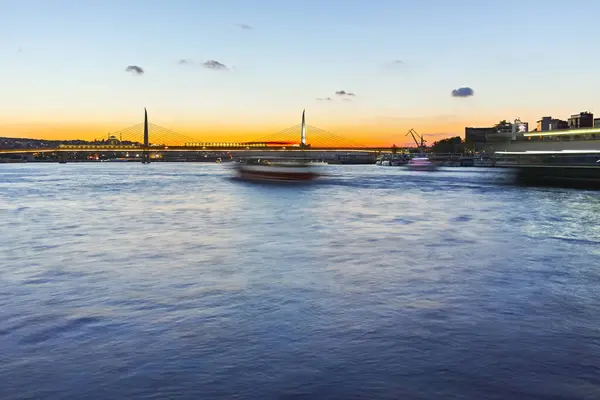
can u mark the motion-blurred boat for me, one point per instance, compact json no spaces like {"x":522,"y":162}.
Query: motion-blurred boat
{"x":282,"y":169}
{"x":421,"y":163}
{"x":278,"y":169}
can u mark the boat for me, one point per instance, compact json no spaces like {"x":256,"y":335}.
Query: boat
{"x":318,"y":163}
{"x":560,"y":148}
{"x":421,"y":163}
{"x":281,"y":169}
{"x":120,"y":159}
{"x":398,"y":160}
{"x":393,"y":160}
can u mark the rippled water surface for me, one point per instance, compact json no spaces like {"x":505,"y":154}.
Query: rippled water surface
{"x":173,"y":281}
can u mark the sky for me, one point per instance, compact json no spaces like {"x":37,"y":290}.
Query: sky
{"x":251,"y":67}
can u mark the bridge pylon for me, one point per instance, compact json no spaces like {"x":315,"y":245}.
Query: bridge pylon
{"x":146,"y":153}
{"x":303,"y":131}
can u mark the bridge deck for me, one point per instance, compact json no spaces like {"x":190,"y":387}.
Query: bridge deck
{"x":86,"y":149}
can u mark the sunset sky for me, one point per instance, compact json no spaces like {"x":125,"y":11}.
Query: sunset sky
{"x":251,"y":67}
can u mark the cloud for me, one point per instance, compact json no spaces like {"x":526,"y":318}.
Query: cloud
{"x":394,"y":64}
{"x":347,"y":99}
{"x":135,"y":70}
{"x":463,"y":92}
{"x":212,"y":64}
{"x":398,"y":66}
{"x":245,"y":27}
{"x":344,"y":93}
{"x":324,"y":99}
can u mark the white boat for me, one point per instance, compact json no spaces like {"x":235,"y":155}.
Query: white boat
{"x":318,"y":163}
{"x":556,"y":157}
{"x":281,"y":169}
{"x":421,"y":163}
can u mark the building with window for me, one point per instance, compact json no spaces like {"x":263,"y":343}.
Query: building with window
{"x":543,"y":125}
{"x":558,"y":124}
{"x":581,"y":120}
{"x":547,"y":124}
{"x":477,"y":137}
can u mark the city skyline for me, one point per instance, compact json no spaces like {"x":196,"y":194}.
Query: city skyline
{"x":237,"y":71}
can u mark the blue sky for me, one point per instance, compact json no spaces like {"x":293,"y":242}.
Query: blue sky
{"x":66,"y":60}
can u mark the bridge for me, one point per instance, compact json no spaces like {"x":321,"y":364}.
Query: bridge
{"x":147,"y":141}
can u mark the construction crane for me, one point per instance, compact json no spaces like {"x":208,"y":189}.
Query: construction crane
{"x":415,"y":135}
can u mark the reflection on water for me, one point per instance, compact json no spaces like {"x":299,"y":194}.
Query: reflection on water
{"x":171,"y":280}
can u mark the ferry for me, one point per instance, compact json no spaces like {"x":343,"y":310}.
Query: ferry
{"x":560,"y":148}
{"x":283,"y":169}
{"x":569,"y":156}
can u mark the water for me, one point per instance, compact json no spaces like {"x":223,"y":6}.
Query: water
{"x":172,"y":281}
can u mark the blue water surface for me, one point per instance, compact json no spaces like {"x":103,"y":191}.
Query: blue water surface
{"x":122,"y":280}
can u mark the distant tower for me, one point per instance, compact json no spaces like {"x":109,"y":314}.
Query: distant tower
{"x":303,"y":133}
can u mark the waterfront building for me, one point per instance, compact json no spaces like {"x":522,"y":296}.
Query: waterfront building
{"x":477,"y":138}
{"x":486,"y":138}
{"x":547,"y":124}
{"x":543,"y":125}
{"x":557,"y":124}
{"x":581,"y":120}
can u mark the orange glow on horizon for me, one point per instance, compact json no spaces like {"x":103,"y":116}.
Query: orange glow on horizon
{"x":386,"y":133}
